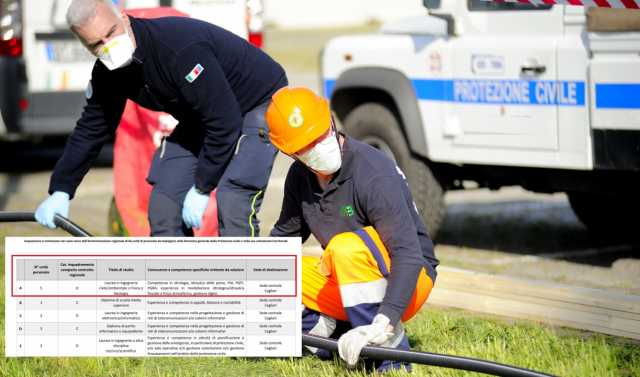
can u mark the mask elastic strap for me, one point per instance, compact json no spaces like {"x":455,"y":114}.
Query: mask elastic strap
{"x":337,"y":134}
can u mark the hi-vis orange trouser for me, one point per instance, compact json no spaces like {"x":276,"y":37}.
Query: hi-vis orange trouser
{"x":349,"y":281}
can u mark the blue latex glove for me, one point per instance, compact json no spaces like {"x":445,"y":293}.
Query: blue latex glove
{"x":58,"y":202}
{"x":193,"y":208}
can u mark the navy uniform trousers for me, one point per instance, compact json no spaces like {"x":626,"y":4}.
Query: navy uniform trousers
{"x":240,"y":190}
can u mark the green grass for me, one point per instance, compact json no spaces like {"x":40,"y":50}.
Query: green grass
{"x":531,"y":345}
{"x":526,"y":344}
{"x":299,"y":50}
{"x":561,"y":352}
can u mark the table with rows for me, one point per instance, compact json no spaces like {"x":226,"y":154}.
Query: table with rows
{"x":153,"y":303}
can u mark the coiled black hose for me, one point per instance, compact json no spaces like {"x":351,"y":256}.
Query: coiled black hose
{"x":427,"y":358}
{"x":378,"y":353}
{"x":62,"y":222}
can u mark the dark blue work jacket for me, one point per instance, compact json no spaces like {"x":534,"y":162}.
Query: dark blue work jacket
{"x":203,"y":75}
{"x":368,"y":190}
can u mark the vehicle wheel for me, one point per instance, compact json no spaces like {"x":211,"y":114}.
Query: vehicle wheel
{"x":116,"y":225}
{"x":376,"y":125}
{"x":606,"y":214}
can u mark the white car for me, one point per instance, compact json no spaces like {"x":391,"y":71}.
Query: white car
{"x":545,"y":97}
{"x":44,"y":70}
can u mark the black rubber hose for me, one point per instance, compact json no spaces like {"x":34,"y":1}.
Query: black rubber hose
{"x":60,"y":221}
{"x":378,"y":353}
{"x":426,"y":358}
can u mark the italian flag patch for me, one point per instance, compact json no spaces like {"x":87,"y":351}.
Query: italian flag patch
{"x":195,"y":72}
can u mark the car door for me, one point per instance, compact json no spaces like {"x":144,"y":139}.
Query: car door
{"x":58,"y":68}
{"x":505,"y":90}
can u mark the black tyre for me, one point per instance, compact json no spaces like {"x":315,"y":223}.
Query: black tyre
{"x":376,"y":125}
{"x":607,"y":215}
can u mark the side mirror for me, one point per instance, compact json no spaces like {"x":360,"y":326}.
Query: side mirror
{"x":431,"y":4}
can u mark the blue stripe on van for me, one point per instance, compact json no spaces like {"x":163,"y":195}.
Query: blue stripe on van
{"x":328,"y":87}
{"x":496,"y":92}
{"x":618,"y":96}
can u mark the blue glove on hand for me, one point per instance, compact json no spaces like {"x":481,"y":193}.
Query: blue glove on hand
{"x":193,"y":208}
{"x":58,"y":202}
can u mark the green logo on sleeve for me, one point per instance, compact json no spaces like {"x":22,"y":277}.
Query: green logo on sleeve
{"x":347,"y":211}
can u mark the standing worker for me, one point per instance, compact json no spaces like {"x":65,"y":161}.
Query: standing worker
{"x":378,"y":265}
{"x":218,"y":87}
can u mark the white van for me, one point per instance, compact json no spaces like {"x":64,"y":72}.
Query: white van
{"x":543,"y":96}
{"x":44,"y":69}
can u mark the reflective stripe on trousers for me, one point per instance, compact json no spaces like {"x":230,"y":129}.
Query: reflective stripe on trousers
{"x":349,"y":281}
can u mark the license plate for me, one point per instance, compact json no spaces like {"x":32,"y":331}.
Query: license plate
{"x":67,"y":52}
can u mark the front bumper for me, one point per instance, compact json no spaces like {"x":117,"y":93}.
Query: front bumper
{"x":12,"y":88}
{"x":616,"y":149}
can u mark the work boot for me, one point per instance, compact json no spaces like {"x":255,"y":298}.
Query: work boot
{"x":315,"y":323}
{"x":389,"y":365}
{"x":399,"y":341}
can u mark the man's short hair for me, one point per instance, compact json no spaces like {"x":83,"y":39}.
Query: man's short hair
{"x":81,"y":11}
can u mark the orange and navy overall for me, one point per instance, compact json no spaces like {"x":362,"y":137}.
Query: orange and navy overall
{"x":348,"y":282}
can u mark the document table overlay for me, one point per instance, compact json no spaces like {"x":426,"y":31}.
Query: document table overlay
{"x":153,"y":297}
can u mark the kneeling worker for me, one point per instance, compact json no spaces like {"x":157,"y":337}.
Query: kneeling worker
{"x":378,"y":265}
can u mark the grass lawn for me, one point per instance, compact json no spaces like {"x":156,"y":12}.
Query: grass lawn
{"x":526,"y":344}
{"x":558,"y":351}
{"x":299,"y":50}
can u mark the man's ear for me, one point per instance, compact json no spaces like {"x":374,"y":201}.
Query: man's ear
{"x":125,"y":17}
{"x":127,"y":26}
{"x":75,"y":32}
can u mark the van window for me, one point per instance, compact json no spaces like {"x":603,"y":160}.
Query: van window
{"x":481,"y":5}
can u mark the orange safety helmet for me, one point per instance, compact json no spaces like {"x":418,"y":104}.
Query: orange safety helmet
{"x":297,"y":117}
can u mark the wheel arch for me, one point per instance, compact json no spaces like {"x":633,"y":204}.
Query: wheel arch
{"x":388,"y":87}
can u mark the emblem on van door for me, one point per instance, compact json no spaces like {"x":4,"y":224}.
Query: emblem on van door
{"x":435,"y":62}
{"x":487,"y":64}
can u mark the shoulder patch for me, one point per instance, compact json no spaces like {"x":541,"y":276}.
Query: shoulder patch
{"x":195,"y":72}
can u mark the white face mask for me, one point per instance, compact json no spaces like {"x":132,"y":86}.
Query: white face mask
{"x":118,"y":52}
{"x":325,"y":157}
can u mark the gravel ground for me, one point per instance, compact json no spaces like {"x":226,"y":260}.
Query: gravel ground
{"x":522,"y":234}
{"x":510,"y":232}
